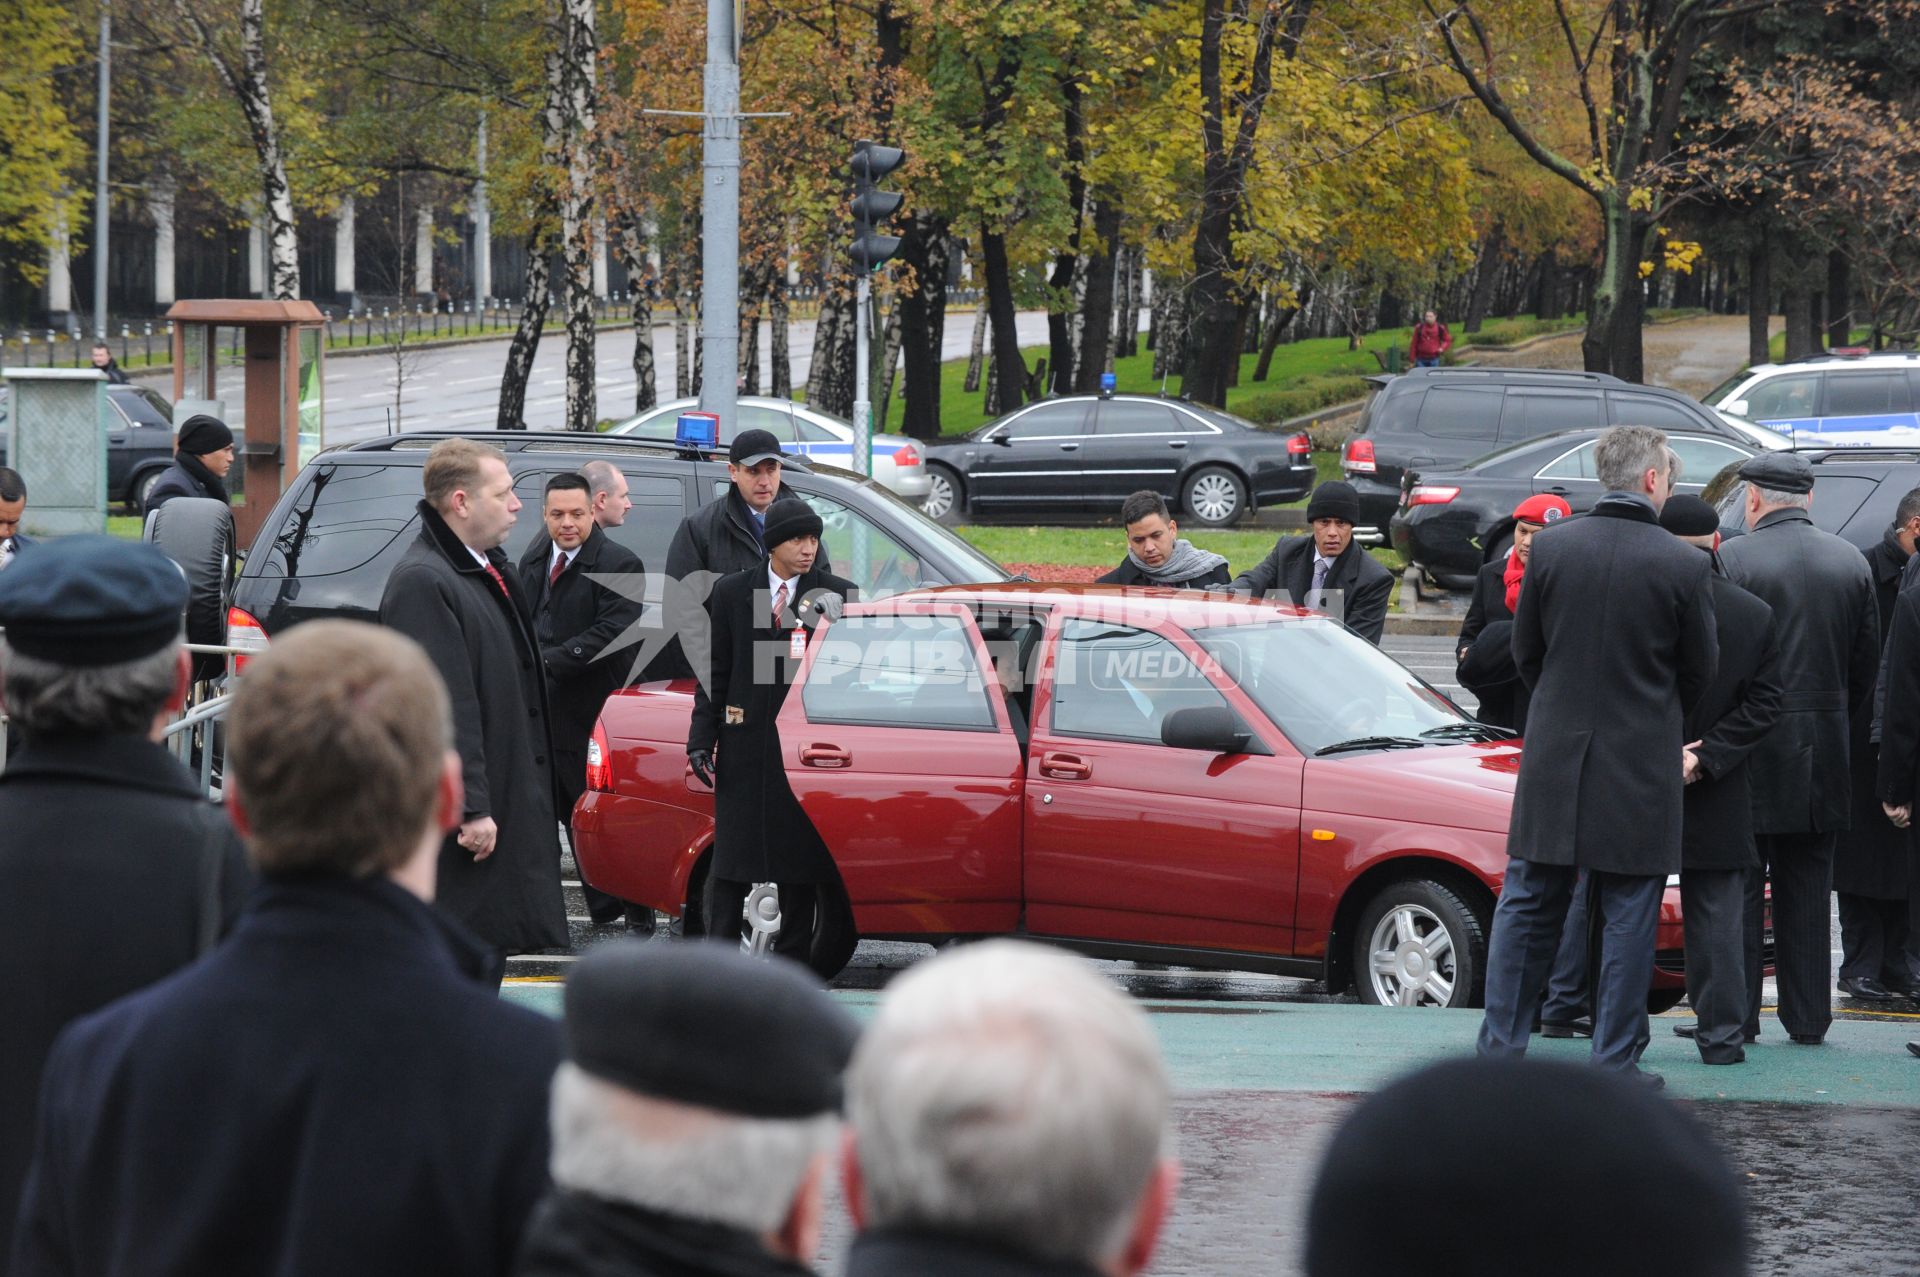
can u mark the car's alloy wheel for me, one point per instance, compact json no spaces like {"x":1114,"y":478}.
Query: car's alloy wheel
{"x":943,"y":494}
{"x":1215,"y":498}
{"x":1419,"y":945}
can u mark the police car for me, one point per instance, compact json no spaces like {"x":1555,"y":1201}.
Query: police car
{"x":1848,"y":399}
{"x":898,"y":463}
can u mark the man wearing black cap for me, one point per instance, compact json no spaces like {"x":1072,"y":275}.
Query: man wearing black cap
{"x":1555,"y":1170}
{"x":1829,"y":630}
{"x":1717,"y":850}
{"x":114,"y":869}
{"x":694,"y":1119}
{"x":724,"y":536}
{"x":1328,"y":571}
{"x":760,"y":832}
{"x":336,"y":1088}
{"x":203,"y":454}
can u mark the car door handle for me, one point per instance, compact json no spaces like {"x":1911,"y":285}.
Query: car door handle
{"x":825,"y":756}
{"x":1557,"y":491}
{"x":1065,"y":767}
{"x":1069,"y":447}
{"x":1176,"y":443}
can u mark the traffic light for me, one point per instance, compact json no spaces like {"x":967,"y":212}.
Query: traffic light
{"x":871,"y":162}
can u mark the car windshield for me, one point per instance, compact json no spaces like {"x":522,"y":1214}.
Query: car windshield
{"x":1324,"y":685}
{"x":1725,"y":389}
{"x":971,"y":566}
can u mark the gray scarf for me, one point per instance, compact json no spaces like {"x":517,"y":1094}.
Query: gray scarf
{"x":1185,"y":563}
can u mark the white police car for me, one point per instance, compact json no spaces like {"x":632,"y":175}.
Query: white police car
{"x":1848,"y":399}
{"x":898,"y":463}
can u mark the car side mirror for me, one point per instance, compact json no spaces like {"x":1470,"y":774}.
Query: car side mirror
{"x":1212,"y":728}
{"x":1738,"y":407}
{"x":1001,"y":440}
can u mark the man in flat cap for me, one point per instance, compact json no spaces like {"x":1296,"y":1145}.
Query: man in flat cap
{"x":1328,"y":571}
{"x":1829,"y":631}
{"x":1010,"y":1116}
{"x":1717,"y":850}
{"x":1555,"y":1170}
{"x":694,"y":1119}
{"x":337,"y":1088}
{"x":203,"y":454}
{"x":114,"y":868}
{"x":763,"y":619}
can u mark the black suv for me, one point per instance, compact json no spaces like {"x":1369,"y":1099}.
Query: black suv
{"x":1439,"y":418}
{"x":328,"y":545}
{"x":1855,"y":492}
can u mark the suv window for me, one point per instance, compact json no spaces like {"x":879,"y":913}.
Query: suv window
{"x":1867,"y":393}
{"x":1112,"y":682}
{"x":346,"y":517}
{"x":1530,"y":413}
{"x":659,"y":504}
{"x":1048,"y":421}
{"x":1133,"y":417}
{"x":1778,"y":398}
{"x":1651,"y":410}
{"x":1460,"y":412}
{"x":898,"y":671}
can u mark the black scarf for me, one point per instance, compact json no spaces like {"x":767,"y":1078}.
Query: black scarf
{"x":198,"y":472}
{"x":574,"y":1235}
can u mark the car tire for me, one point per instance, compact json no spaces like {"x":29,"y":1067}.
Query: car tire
{"x":142,"y":487}
{"x":1660,"y":1001}
{"x":946,"y":499}
{"x":1215,"y":497}
{"x":834,"y":935}
{"x":1418,"y":943}
{"x":198,"y":534}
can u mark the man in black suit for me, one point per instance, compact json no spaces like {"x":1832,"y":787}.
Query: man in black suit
{"x":760,"y":831}
{"x":13,"y":508}
{"x":1717,"y":849}
{"x":1156,"y":552}
{"x":1614,"y":635}
{"x":568,"y":576}
{"x":1328,"y":571}
{"x":1485,"y":646}
{"x":1829,"y":629}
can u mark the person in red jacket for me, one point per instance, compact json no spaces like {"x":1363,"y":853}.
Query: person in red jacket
{"x":1430,"y":341}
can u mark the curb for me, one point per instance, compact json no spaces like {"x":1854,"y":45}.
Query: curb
{"x":1400,"y":623}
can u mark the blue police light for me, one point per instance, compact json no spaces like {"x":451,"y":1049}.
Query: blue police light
{"x":697,"y":430}
{"x":1106,"y":383}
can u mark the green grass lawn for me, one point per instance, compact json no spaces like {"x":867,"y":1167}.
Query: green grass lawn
{"x":1104,"y":547}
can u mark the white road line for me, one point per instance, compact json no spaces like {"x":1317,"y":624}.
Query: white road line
{"x":471,"y":381}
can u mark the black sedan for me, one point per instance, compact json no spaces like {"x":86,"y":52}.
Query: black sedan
{"x":1085,"y":454}
{"x":1451,"y":521}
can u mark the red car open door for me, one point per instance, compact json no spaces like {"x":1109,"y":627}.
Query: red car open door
{"x":900,"y":748}
{"x":1133,"y":841}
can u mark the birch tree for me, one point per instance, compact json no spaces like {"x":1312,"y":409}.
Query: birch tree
{"x":575,"y":66}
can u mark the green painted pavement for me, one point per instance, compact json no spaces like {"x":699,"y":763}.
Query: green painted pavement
{"x":1321,"y":1047}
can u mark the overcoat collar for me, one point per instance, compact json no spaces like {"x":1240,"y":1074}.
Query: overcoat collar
{"x":1790,"y":514}
{"x":891,"y":1252}
{"x":131,"y":762}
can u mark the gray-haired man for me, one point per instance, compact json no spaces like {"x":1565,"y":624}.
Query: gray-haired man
{"x":1009,"y":1111}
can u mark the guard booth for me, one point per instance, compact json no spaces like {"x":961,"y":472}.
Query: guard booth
{"x":56,"y":437}
{"x":275,"y":405}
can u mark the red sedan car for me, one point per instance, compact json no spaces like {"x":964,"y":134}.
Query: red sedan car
{"x":1150,"y":774}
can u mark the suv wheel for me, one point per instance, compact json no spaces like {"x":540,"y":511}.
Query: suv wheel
{"x":1214,"y":496}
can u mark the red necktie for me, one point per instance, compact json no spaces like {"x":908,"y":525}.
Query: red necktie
{"x":779,"y":603}
{"x":559,"y":566}
{"x":498,"y":580}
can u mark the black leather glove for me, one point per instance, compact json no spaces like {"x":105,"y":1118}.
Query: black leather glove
{"x":701,"y":760}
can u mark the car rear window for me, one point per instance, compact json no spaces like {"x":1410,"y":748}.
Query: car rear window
{"x":1460,"y":412}
{"x":344,"y":518}
{"x":898,"y":671}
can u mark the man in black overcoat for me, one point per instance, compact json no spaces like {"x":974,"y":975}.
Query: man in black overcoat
{"x":1615,"y":637}
{"x":336,"y":1088}
{"x":1328,"y":571}
{"x":763,"y":619}
{"x":1717,"y":848}
{"x":115,"y":870}
{"x":722,"y":537}
{"x":568,"y":577}
{"x":452,"y":592}
{"x":1872,"y":878}
{"x":1829,"y":629}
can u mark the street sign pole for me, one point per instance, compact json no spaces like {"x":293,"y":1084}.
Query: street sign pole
{"x":720,"y":221}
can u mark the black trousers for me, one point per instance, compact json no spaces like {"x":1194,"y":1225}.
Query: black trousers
{"x":1713,"y":910}
{"x":1878,"y":940}
{"x":1801,"y":867}
{"x":724,"y":917}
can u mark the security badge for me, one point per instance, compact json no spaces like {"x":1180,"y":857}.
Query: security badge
{"x":735,"y":716}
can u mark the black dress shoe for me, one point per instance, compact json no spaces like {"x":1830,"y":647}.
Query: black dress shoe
{"x":1913,"y":1048}
{"x":1807,"y":1039}
{"x":1687,"y":1028}
{"x":1865,"y":988}
{"x":1581,"y":1028}
{"x":1738,"y":1057}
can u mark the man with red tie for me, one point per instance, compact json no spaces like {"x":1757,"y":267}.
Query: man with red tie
{"x":763,"y":619}
{"x":453,"y":593}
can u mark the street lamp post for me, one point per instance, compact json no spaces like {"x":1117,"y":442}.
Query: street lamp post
{"x":100,"y":174}
{"x":720,"y":220}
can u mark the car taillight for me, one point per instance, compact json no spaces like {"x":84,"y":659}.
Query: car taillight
{"x":244,"y":632}
{"x":599,"y":761}
{"x":1299,"y":445}
{"x":1358,"y":457}
{"x":1430,"y":494}
{"x":906,"y":455}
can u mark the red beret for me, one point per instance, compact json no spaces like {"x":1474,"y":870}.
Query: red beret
{"x":1542,"y":509}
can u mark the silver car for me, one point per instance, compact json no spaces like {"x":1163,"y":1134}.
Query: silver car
{"x":898,"y":462}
